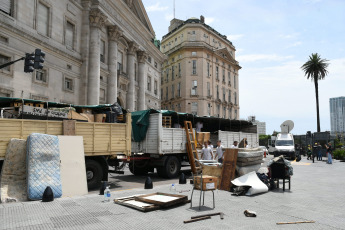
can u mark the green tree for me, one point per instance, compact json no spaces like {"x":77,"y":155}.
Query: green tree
{"x":316,"y":69}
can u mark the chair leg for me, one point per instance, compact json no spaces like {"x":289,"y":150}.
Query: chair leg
{"x":277,"y":183}
{"x":283,"y":184}
{"x":191,"y":198}
{"x":200,"y":199}
{"x":214,"y":205}
{"x":203,"y":199}
{"x":290,"y":183}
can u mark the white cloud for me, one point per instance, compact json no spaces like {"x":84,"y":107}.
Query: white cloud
{"x":156,"y":7}
{"x":169,"y":17}
{"x":262,"y":57}
{"x":209,"y":20}
{"x":295,"y":44}
{"x":233,"y":37}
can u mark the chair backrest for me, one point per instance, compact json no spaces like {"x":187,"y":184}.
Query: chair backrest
{"x":278,"y":171}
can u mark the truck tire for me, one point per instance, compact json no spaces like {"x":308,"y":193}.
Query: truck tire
{"x":94,"y":173}
{"x":139,"y":168}
{"x":170,"y":169}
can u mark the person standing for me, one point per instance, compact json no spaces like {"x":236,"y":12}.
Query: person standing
{"x":319,"y":154}
{"x":206,"y":152}
{"x":211,"y":146}
{"x":329,"y":152}
{"x":235,"y":145}
{"x":219,"y":151}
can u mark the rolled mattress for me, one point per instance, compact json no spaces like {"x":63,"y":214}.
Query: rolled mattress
{"x":43,"y":165}
{"x":13,"y":174}
{"x":249,"y":152}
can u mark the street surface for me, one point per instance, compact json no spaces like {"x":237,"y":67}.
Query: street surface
{"x":317,"y":193}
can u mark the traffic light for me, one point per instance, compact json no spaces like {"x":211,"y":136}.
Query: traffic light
{"x":29,"y":63}
{"x":39,"y":59}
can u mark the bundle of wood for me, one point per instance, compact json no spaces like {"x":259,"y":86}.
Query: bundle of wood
{"x":248,"y":160}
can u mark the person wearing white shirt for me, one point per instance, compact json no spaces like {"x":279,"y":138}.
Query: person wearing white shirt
{"x":211,"y":146}
{"x":235,"y":145}
{"x":219,"y":151}
{"x":206,"y":152}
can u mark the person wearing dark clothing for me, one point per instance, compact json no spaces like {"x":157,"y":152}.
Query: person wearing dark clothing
{"x":319,"y":154}
{"x":329,"y":152}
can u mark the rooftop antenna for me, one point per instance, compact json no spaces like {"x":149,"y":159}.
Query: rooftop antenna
{"x":174,"y":8}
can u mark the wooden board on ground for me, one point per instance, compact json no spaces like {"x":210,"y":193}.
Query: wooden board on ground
{"x":139,"y":205}
{"x":162,"y":199}
{"x":211,"y":170}
{"x":229,"y":168}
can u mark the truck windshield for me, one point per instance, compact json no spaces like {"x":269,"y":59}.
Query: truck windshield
{"x":284,"y":143}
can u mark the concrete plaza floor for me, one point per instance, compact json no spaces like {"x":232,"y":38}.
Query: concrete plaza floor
{"x":317,"y":193}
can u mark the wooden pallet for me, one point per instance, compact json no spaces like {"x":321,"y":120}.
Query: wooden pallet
{"x":166,"y":121}
{"x":229,"y":168}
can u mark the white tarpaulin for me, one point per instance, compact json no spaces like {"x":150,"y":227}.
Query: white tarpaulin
{"x":252,"y":180}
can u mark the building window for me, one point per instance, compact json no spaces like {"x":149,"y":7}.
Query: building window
{"x":217,"y":73}
{"x":194,"y":67}
{"x":41,"y":76}
{"x":223,"y":94}
{"x":178,"y":107}
{"x":194,"y":109}
{"x":179,"y":89}
{"x":218,"y":110}
{"x":193,"y":32}
{"x":69,"y":35}
{"x":162,"y":94}
{"x":3,"y":60}
{"x":43,"y":19}
{"x":217,"y":87}
{"x":230,"y":112}
{"x":6,"y":6}
{"x":172,"y":73}
{"x":235,"y":81}
{"x":167,"y":79}
{"x":68,"y":85}
{"x":149,"y":59}
{"x":156,"y":65}
{"x":208,"y":69}
{"x":193,"y":53}
{"x":208,"y":89}
{"x":235,"y":95}
{"x":172,"y":91}
{"x":155,"y":85}
{"x":149,"y":83}
{"x":101,"y":94}
{"x":224,"y":112}
{"x":229,"y":78}
{"x":235,"y":113}
{"x":167,"y":93}
{"x":224,"y":75}
{"x":229,"y":96}
{"x":194,"y":90}
{"x":179,"y":69}
{"x":119,"y":61}
{"x":102,"y":53}
{"x":209,"y":109}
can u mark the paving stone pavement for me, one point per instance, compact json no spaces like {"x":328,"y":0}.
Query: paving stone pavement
{"x":317,"y":193}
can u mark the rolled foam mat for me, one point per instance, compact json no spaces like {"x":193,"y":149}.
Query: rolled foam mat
{"x":13,"y":173}
{"x":43,"y":165}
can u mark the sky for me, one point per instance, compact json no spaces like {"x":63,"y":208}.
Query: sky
{"x":273,"y":39}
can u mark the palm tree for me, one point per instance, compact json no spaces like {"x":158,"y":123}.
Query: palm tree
{"x":316,"y":69}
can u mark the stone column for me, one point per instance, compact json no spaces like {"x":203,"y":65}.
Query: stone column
{"x":114,"y":33}
{"x":142,"y":79}
{"x":130,"y":73}
{"x":97,"y":19}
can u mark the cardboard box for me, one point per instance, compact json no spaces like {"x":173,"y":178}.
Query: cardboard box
{"x":90,"y":117}
{"x":100,"y":117}
{"x":208,"y":182}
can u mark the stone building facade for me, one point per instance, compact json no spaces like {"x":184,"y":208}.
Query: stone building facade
{"x":200,"y":75}
{"x":96,"y":52}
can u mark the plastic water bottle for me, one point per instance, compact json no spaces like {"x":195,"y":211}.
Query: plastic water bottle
{"x":107,"y":194}
{"x":173,"y":189}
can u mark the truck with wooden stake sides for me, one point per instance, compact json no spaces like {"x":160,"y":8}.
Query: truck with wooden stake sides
{"x":106,"y":130}
{"x":159,"y":139}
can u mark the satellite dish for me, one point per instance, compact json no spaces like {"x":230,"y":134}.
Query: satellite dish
{"x":287,"y":126}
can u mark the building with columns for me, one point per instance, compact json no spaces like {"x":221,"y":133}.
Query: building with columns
{"x":96,"y":52}
{"x":200,"y":75}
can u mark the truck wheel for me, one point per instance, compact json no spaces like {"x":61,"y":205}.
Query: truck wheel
{"x":94,"y":173}
{"x":139,"y":168}
{"x":171,"y":168}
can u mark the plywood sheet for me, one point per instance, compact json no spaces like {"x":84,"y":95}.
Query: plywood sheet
{"x":162,"y":199}
{"x":73,"y":171}
{"x":229,"y":168}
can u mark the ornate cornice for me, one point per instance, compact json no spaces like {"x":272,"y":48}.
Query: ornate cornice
{"x":142,"y":56}
{"x":97,"y":18}
{"x":132,"y":47}
{"x":114,"y":33}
